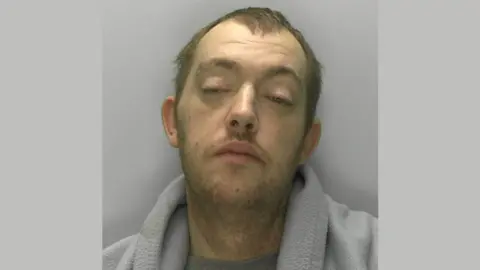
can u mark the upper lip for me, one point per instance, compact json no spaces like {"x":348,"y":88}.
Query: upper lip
{"x":242,"y":148}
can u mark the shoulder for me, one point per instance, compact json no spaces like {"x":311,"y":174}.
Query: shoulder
{"x":353,"y":235}
{"x":113,"y":254}
{"x":347,"y":218}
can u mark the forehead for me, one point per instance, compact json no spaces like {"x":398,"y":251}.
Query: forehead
{"x":253,"y":51}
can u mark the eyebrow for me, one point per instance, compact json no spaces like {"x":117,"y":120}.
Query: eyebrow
{"x":282,"y":70}
{"x":219,"y":63}
{"x":235,"y":66}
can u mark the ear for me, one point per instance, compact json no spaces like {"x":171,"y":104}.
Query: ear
{"x":311,"y":140}
{"x":169,"y":123}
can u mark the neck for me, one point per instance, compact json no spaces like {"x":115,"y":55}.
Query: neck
{"x":234,"y":233}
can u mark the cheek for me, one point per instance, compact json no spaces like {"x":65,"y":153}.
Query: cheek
{"x":201,"y":129}
{"x":193,"y":117}
{"x":281,"y":138}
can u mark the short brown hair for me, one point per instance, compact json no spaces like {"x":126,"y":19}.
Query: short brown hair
{"x":264,"y":21}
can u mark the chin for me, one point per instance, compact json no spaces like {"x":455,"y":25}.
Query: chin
{"x":235,"y":190}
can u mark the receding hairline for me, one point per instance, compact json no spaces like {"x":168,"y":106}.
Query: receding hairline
{"x":297,"y":48}
{"x":255,"y":31}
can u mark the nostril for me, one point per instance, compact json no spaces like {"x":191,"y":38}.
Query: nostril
{"x":249,"y":126}
{"x":234,"y":123}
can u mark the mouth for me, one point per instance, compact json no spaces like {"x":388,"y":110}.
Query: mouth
{"x":236,"y":157}
{"x":238,"y":153}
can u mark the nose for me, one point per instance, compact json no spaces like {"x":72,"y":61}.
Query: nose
{"x":242,"y":117}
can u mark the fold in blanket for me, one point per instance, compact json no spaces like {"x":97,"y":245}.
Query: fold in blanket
{"x":319,"y":233}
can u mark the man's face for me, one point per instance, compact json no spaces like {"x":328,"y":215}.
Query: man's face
{"x":246,"y":89}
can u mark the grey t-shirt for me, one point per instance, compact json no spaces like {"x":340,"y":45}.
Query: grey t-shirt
{"x":268,"y":262}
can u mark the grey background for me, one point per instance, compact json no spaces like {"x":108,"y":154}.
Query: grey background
{"x":140,"y":41}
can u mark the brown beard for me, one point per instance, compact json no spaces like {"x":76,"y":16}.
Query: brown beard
{"x":268,"y":195}
{"x":252,"y":223}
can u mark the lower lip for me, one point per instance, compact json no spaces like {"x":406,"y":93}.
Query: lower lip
{"x":237,"y":158}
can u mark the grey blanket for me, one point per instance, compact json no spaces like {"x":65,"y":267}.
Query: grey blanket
{"x":319,"y":233}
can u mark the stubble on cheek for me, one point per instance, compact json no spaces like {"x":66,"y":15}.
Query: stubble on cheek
{"x":192,"y":149}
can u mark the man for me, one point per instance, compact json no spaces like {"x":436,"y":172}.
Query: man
{"x":243,"y":119}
